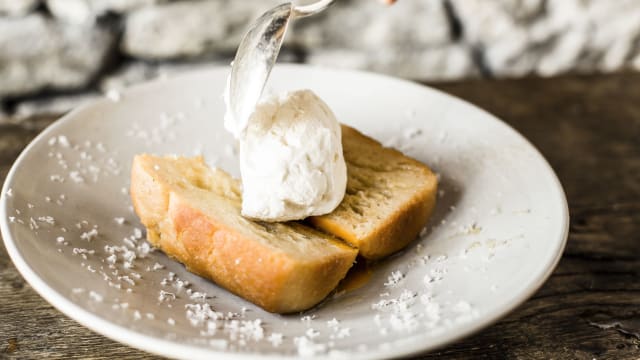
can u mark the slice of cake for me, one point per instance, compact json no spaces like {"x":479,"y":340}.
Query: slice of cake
{"x":192,"y":213}
{"x":388,"y":201}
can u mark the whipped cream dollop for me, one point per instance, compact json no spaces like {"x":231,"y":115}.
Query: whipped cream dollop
{"x":291,"y":159}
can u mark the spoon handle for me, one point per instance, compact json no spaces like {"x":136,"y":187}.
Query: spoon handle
{"x":311,"y":9}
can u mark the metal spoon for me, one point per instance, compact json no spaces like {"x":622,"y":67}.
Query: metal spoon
{"x":255,"y":58}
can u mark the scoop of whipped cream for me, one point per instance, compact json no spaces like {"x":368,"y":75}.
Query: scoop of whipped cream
{"x":291,"y":159}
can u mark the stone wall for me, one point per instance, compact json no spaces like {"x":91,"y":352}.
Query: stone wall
{"x":58,"y":53}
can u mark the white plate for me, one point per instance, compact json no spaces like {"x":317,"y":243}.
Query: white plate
{"x":498,"y":231}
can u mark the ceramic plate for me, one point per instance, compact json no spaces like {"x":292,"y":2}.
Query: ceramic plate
{"x":498,"y":230}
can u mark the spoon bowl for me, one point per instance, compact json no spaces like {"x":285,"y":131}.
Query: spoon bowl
{"x":256,"y":56}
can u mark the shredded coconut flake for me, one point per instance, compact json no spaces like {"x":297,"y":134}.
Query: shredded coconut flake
{"x":307,"y":318}
{"x":166,"y":296}
{"x":89,"y":235}
{"x":244,"y":330}
{"x":33,"y":225}
{"x":394,"y":278}
{"x":56,"y":178}
{"x":275,"y":339}
{"x":143,"y":250}
{"x":401,"y":317}
{"x":47,"y":219}
{"x":306,"y":346}
{"x":198,"y":296}
{"x":95,"y":296}
{"x":127,"y":279}
{"x":312,"y":333}
{"x":113,"y":95}
{"x":343,"y":333}
{"x":333,"y":323}
{"x":76,"y":177}
{"x":200,"y":314}
{"x":63,"y":141}
{"x":111,"y":259}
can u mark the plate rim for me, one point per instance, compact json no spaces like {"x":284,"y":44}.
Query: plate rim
{"x":172,"y":349}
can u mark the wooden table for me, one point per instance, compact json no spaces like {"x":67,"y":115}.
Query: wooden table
{"x":589,"y":130}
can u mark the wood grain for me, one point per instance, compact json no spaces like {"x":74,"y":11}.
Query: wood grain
{"x":589,"y":130}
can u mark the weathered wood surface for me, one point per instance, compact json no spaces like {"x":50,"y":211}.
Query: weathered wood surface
{"x":589,"y":130}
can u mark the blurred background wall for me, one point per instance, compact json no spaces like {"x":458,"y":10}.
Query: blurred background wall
{"x":55,"y":54}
